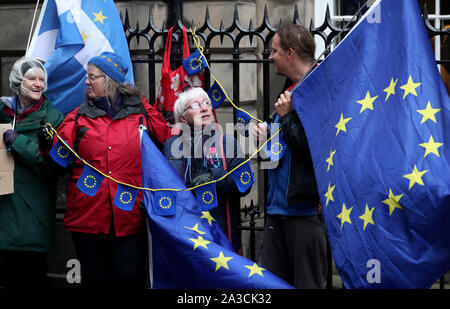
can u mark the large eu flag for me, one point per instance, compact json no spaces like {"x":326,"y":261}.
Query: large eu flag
{"x":188,"y":249}
{"x":67,"y":35}
{"x":376,"y":116}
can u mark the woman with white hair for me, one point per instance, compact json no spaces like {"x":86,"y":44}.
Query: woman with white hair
{"x":27,"y":218}
{"x":201,"y":153}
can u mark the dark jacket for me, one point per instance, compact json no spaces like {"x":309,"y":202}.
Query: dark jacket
{"x":292,"y":185}
{"x":27,"y":217}
{"x":188,"y":168}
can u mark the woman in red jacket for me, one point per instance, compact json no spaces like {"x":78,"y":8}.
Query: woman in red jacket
{"x":110,"y":242}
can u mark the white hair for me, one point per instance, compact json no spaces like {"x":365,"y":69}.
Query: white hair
{"x":21,"y":68}
{"x":184,"y":98}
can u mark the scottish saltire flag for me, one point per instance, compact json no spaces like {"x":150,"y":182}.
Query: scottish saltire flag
{"x":67,"y":35}
{"x":376,"y":116}
{"x":188,"y":249}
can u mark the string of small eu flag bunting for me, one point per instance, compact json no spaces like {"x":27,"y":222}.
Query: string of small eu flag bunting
{"x":91,"y":178}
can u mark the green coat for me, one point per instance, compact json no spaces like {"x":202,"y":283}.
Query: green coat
{"x":27,"y":217}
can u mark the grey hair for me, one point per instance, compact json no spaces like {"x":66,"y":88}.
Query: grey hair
{"x":21,"y":68}
{"x":184,"y":98}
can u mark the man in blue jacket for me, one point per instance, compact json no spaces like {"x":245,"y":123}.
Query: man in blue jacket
{"x":294,"y":243}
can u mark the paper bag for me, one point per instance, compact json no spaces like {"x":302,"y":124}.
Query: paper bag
{"x":6,"y":164}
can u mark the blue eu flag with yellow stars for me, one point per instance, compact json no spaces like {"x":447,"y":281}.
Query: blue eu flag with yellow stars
{"x":243,"y":177}
{"x":275,"y":148}
{"x":216,"y":95}
{"x":90,"y":181}
{"x":195,"y":63}
{"x":164,"y":202}
{"x":61,"y":154}
{"x":125,"y":197}
{"x":375,"y":114}
{"x":206,"y":196}
{"x":189,"y":250}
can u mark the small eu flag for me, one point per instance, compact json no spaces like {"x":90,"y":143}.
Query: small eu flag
{"x":242,"y":120}
{"x":164,"y":203}
{"x":276,"y":147}
{"x":243,"y":176}
{"x":125,"y":197}
{"x":61,"y":154}
{"x":206,"y":196}
{"x":216,"y":95}
{"x":90,"y":180}
{"x":195,"y":63}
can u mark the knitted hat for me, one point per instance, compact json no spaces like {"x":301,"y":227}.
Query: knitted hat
{"x":112,"y":64}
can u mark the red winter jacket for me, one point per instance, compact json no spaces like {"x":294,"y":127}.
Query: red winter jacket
{"x":113,"y":147}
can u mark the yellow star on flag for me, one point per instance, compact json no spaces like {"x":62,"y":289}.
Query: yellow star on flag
{"x":367,"y":216}
{"x":367,"y":102}
{"x":345,"y":215}
{"x":393,"y":202}
{"x":99,"y":17}
{"x":428,"y":113}
{"x":410,"y":87}
{"x":255,"y":269}
{"x":221,"y":261}
{"x":200,"y":242}
{"x":195,"y":229}
{"x":206,"y":215}
{"x":329,"y":194}
{"x":341,"y":124}
{"x":415,"y":177}
{"x":431,"y":147}
{"x":329,"y":160}
{"x":390,"y":89}
{"x":84,"y":36}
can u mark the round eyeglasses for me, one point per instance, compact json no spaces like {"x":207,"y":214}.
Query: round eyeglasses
{"x":196,"y":105}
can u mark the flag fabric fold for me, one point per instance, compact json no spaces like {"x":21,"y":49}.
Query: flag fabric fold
{"x":189,"y":249}
{"x":67,"y":35}
{"x":375,"y":114}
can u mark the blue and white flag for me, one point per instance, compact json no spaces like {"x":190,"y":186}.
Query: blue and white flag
{"x":376,"y":116}
{"x":67,"y":35}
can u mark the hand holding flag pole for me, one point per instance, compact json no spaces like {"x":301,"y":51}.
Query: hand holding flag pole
{"x":326,"y":50}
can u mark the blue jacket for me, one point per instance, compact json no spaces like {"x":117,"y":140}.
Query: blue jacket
{"x":292,"y":184}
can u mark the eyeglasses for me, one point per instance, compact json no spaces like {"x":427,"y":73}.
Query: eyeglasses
{"x":196,"y":105}
{"x":93,"y":77}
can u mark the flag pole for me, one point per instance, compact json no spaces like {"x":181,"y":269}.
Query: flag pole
{"x":32,"y":24}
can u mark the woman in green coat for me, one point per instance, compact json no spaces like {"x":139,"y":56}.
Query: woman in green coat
{"x":27,"y":216}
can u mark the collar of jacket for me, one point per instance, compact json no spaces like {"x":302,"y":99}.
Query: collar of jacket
{"x":130,"y":105}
